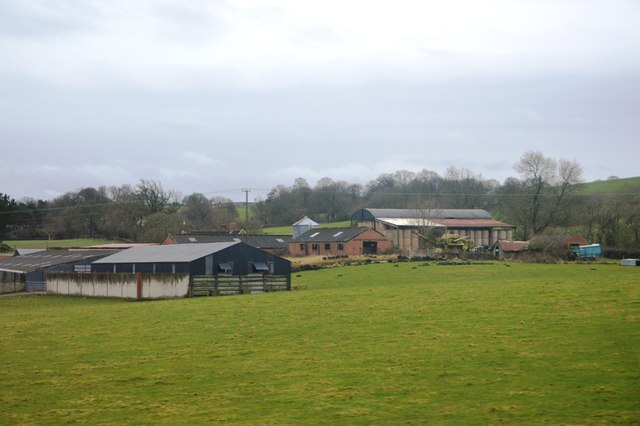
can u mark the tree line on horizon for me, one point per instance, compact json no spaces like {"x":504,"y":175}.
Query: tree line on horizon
{"x":545,"y":198}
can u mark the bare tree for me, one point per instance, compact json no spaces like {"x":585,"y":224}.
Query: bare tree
{"x":125,"y":214}
{"x":224,"y":210}
{"x":548,"y":183}
{"x":155,"y":198}
{"x":464,"y":189}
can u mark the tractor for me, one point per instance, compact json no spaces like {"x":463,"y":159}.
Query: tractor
{"x":454,"y":242}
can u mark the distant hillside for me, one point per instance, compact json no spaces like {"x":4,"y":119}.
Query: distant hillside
{"x":614,"y":186}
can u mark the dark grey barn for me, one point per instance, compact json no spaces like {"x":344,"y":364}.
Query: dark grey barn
{"x":235,"y":258}
{"x":27,"y":271}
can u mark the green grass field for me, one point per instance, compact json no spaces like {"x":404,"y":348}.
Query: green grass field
{"x":375,"y":344}
{"x":614,"y":186}
{"x":81,"y":242}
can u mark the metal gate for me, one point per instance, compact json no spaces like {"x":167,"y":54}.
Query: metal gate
{"x":35,"y":282}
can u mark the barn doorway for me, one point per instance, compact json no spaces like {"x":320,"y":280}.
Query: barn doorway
{"x":369,"y":247}
{"x":35,"y":282}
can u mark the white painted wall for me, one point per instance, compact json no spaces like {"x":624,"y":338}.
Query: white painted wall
{"x":170,"y":287}
{"x":154,"y":286}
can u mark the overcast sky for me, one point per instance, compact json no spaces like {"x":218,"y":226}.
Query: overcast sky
{"x":214,"y":96}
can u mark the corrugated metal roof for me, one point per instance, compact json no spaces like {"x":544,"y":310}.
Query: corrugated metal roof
{"x":326,"y":235}
{"x":512,"y":246}
{"x":370,"y":214}
{"x":473,"y":223}
{"x":408,"y":222}
{"x":168,"y":253}
{"x":45,"y":259}
{"x":121,"y":246}
{"x":258,"y":241}
{"x":306,"y":221}
{"x":23,"y":251}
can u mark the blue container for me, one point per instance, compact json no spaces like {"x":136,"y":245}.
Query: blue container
{"x":590,"y":251}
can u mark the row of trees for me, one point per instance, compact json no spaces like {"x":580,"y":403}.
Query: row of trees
{"x":546,"y":197}
{"x":144,"y":213}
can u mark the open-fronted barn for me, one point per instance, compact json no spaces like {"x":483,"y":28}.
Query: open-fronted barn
{"x":28,"y":271}
{"x":195,"y":259}
{"x":410,"y":229}
{"x":339,"y":242}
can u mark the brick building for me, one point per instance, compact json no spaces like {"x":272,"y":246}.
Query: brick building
{"x":339,"y":242}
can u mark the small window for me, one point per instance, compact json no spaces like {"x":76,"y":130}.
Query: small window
{"x":225,"y":267}
{"x":260,"y":267}
{"x":314,"y":247}
{"x":340,"y":247}
{"x":81,"y":268}
{"x":301,"y":247}
{"x":327,"y":246}
{"x":315,"y":234}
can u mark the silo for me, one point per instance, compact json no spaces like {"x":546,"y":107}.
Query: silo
{"x":302,"y":226}
{"x":485,"y":237}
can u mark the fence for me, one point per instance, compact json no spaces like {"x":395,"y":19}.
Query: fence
{"x":227,"y":284}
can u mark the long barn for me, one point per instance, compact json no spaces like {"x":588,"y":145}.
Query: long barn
{"x":178,"y":270}
{"x":405,"y":227}
{"x":234,"y":258}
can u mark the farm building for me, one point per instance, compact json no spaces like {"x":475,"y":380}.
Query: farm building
{"x":277,"y":244}
{"x":302,"y":226}
{"x":505,"y":249}
{"x":28,"y":271}
{"x":406,"y":227}
{"x":339,"y":242}
{"x":179,"y":270}
{"x":195,"y":259}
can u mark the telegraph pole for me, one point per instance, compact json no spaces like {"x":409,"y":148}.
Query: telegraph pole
{"x":246,"y":204}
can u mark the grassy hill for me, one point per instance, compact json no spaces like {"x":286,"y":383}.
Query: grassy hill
{"x":613,"y":186}
{"x":376,"y":344}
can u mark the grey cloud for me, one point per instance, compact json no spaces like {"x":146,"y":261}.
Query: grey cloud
{"x":191,"y":22}
{"x":34,"y":19}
